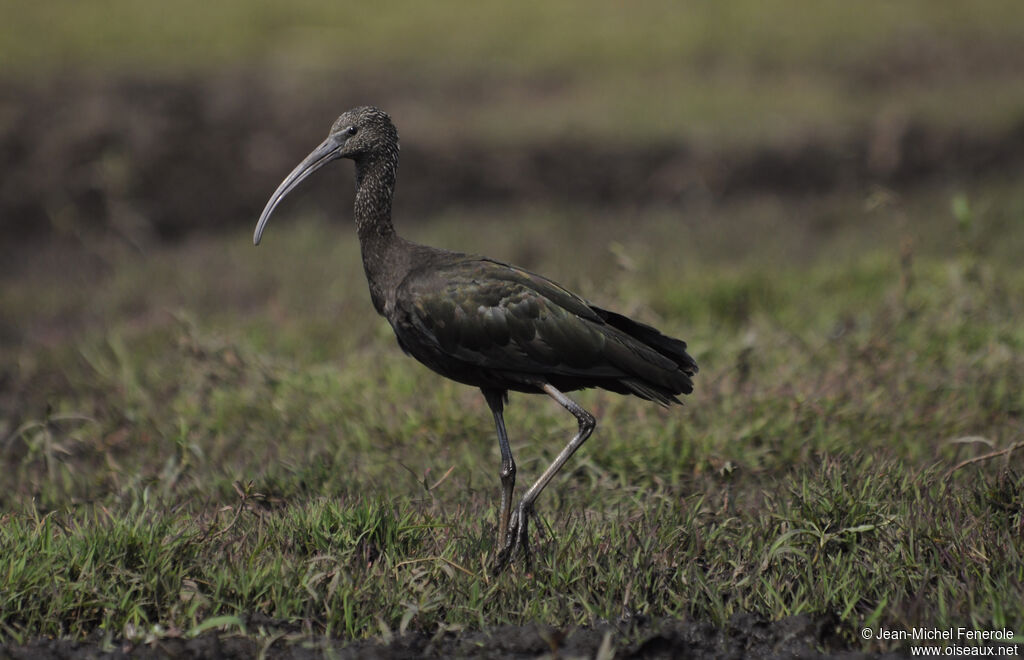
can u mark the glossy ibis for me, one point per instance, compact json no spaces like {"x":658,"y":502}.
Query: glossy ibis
{"x":486,"y":323}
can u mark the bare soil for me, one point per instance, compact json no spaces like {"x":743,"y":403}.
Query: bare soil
{"x":157,"y":159}
{"x":746,"y":636}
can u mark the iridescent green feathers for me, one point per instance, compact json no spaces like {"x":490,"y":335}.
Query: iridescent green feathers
{"x":472,"y":317}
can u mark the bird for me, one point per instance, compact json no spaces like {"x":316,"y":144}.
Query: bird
{"x":486,"y":323}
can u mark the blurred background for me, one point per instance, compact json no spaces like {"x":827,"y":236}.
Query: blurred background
{"x":153,"y":122}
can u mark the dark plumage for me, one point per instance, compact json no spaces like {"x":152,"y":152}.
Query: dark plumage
{"x":489,"y":324}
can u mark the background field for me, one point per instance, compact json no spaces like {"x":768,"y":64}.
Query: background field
{"x":199,"y":436}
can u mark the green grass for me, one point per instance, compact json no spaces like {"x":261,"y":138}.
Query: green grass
{"x":530,"y":37}
{"x":204,"y":432}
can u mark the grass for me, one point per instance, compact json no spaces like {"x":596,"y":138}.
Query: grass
{"x":206,"y":432}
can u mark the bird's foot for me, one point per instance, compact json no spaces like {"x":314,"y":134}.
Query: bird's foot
{"x":516,"y":539}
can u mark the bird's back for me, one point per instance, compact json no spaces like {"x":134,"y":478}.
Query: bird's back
{"x":493,"y":325}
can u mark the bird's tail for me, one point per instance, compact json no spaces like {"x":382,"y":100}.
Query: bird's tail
{"x":663,"y":387}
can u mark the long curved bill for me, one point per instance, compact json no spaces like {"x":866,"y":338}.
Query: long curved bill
{"x":323,"y":154}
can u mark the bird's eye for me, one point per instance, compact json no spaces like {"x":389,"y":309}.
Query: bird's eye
{"x":351,"y":130}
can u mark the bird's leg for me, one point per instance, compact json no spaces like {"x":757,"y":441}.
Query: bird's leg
{"x":496,"y":401}
{"x":517,"y":535}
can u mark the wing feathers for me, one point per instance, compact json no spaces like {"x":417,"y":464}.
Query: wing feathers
{"x":483,"y":314}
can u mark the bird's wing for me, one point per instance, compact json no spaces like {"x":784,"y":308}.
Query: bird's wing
{"x":496,"y":316}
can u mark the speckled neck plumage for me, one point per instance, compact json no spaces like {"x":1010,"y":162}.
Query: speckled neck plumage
{"x":375,"y":187}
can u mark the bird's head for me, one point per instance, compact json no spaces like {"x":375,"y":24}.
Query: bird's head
{"x":360,"y":134}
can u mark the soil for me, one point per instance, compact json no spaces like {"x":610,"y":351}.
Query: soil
{"x":745,"y":636}
{"x":157,"y":159}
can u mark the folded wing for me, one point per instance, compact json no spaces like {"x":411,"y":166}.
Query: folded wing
{"x":480,"y":314}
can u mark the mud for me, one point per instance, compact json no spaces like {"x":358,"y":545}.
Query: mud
{"x":157,"y":159}
{"x":745,"y":636}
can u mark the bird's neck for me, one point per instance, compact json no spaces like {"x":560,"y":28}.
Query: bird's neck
{"x":375,"y":186}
